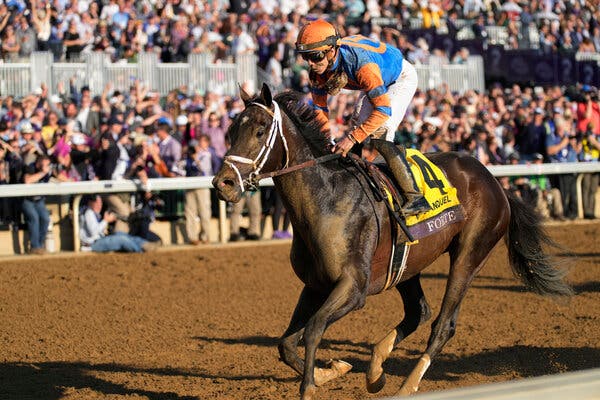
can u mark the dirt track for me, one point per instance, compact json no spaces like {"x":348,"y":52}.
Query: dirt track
{"x":203,"y":324}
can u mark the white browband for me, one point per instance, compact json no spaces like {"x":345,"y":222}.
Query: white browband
{"x":260,"y":160}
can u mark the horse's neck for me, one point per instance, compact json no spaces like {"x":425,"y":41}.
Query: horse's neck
{"x":297,"y":146}
{"x":301,"y":188}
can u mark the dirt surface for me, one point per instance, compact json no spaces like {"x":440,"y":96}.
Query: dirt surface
{"x":203,"y":323}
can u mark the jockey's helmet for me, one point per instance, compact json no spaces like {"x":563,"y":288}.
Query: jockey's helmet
{"x":316,"y":36}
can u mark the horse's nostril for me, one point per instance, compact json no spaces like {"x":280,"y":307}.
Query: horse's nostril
{"x":228,"y":182}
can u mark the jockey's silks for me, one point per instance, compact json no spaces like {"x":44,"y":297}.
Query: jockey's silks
{"x":371,"y":67}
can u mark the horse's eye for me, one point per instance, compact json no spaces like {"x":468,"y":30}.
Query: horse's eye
{"x":260,"y":132}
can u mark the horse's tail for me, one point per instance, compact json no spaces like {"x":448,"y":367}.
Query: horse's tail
{"x":528,"y":260}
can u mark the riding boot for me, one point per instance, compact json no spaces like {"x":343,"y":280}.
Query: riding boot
{"x":396,"y":160}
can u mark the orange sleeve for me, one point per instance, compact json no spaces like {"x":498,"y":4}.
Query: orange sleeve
{"x":319,"y":98}
{"x":370,"y":81}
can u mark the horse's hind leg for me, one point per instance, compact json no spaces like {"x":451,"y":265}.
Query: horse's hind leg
{"x":416,"y":311}
{"x":464,"y":265}
{"x":308,"y":304}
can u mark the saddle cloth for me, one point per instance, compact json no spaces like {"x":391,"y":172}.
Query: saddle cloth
{"x":445,"y":210}
{"x":439,"y":193}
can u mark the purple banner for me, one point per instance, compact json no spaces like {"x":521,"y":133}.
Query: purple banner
{"x":522,"y":66}
{"x":588,"y":73}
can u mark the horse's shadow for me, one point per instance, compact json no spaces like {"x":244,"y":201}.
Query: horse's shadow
{"x":586,"y":287}
{"x":52,"y":380}
{"x":265,"y":341}
{"x":526,"y":361}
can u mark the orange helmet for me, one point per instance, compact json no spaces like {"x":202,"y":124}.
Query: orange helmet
{"x":317,"y":35}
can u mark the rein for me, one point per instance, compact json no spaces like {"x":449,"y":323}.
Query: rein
{"x":306,"y":164}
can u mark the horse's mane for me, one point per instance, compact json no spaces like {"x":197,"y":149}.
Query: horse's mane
{"x":305,"y":119}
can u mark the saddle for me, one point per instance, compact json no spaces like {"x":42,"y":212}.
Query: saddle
{"x":384,"y":189}
{"x":390,"y":258}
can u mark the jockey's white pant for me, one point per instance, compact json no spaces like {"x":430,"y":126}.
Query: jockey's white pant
{"x":400,"y":92}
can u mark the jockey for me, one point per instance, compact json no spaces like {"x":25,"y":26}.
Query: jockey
{"x":387,"y":82}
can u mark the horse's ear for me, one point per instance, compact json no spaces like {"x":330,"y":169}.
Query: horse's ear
{"x":266,"y":96}
{"x":244,"y":96}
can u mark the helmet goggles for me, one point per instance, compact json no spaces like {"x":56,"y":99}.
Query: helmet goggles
{"x":314,"y":56}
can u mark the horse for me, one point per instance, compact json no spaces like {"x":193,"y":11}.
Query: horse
{"x":339,"y":225}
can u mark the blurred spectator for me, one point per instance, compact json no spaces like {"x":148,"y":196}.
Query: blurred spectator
{"x":35,"y":212}
{"x":27,"y":39}
{"x":563,"y":146}
{"x":588,"y":127}
{"x":113,"y":162}
{"x":83,"y":157}
{"x":533,"y":138}
{"x":253,"y":202}
{"x":461,"y":56}
{"x":144,"y":213}
{"x":478,"y":27}
{"x":274,"y":68}
{"x":547,"y":200}
{"x":93,"y":232}
{"x":10,"y":45}
{"x":169,"y":151}
{"x":273,"y":205}
{"x":40,"y":19}
{"x":242,"y":42}
{"x":420,"y":54}
{"x":200,"y":161}
{"x":432,"y":12}
{"x":73,"y":42}
{"x":215,"y":122}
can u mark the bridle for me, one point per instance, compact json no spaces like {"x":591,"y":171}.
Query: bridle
{"x":258,"y":163}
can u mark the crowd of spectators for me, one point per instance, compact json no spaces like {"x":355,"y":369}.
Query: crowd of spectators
{"x":74,"y":135}
{"x":225,"y":29}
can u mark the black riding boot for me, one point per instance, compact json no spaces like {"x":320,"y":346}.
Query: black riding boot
{"x":396,"y":160}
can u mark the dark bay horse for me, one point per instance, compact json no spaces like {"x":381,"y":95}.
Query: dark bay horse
{"x":339,"y":225}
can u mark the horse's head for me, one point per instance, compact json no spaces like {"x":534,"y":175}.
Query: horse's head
{"x":257,"y":145}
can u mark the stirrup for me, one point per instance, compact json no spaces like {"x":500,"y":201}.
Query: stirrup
{"x":420,"y":205}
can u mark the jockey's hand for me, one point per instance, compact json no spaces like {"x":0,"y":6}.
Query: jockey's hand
{"x":343,"y":146}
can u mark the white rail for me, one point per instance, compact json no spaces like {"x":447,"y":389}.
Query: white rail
{"x":578,"y":385}
{"x":123,"y":186}
{"x":204,"y":182}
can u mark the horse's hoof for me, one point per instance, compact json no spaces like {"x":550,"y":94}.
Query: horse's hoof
{"x":407,"y":391}
{"x":309,"y":393}
{"x":374,"y":387}
{"x":335,"y":369}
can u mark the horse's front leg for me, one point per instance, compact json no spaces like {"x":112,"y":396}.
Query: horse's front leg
{"x":308,"y":304}
{"x":344,"y":298}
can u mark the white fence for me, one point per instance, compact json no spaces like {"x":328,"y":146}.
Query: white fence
{"x":198,"y":73}
{"x":96,"y":71}
{"x":459,"y":77}
{"x":580,"y":385}
{"x":77,"y":189}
